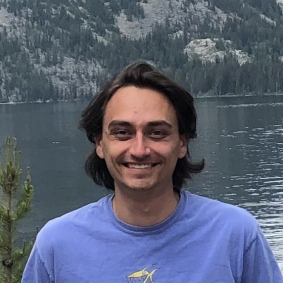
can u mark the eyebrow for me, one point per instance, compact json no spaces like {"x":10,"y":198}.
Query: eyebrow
{"x":156,"y":123}
{"x":159,"y":123}
{"x":116,"y":123}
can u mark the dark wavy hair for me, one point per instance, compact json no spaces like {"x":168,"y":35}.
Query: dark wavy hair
{"x":142,"y":75}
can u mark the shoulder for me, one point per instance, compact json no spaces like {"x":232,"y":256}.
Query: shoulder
{"x":222,"y":217}
{"x":81,"y":219}
{"x":216,"y":208}
{"x":64,"y":233}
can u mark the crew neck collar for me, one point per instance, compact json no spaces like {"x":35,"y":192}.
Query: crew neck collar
{"x":152,"y":229}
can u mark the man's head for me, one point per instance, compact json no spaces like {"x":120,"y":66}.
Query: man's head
{"x":133,"y":87}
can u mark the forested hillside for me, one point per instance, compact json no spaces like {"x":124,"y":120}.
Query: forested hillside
{"x":65,"y":49}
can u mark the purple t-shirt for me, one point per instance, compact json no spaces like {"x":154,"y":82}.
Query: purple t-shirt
{"x":202,"y":241}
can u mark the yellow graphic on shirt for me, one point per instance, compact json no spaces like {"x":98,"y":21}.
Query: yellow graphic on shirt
{"x":141,"y":276}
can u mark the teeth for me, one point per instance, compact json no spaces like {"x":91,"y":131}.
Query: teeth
{"x":140,"y":166}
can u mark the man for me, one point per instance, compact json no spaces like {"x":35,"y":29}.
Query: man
{"x":150,"y":229}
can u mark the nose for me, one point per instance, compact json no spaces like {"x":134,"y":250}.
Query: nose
{"x":139,"y":147}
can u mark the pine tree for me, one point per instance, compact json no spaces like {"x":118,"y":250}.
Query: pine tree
{"x":15,"y":203}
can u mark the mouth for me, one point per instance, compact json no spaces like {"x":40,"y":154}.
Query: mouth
{"x":140,"y":166}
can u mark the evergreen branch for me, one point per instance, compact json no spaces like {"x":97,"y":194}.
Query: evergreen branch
{"x":2,"y":211}
{"x":12,"y":259}
{"x":24,"y":204}
{"x":20,"y":256}
{"x":10,"y":173}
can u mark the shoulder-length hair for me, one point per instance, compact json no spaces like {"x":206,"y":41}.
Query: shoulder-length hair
{"x":142,"y":75}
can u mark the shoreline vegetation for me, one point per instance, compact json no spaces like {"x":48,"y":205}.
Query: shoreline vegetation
{"x":202,"y":96}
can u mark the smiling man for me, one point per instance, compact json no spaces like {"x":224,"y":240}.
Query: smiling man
{"x":140,"y":144}
{"x":150,"y":229}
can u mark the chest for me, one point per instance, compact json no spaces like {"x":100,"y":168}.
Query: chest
{"x":155,"y":259}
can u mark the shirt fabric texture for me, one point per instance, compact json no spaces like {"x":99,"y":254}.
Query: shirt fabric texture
{"x":202,"y":241}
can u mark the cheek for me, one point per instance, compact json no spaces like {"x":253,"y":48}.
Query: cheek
{"x":108,"y":151}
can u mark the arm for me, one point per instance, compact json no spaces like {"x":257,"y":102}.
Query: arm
{"x":35,"y":270}
{"x":259,"y":264}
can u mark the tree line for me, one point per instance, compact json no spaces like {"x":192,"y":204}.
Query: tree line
{"x":57,"y":30}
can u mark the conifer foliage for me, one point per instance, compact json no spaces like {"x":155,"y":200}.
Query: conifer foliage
{"x":15,"y":203}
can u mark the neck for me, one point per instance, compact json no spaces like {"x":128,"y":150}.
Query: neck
{"x":144,"y":208}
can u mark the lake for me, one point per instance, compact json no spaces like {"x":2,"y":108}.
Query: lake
{"x":241,"y":139}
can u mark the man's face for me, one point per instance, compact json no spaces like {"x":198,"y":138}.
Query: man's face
{"x":140,"y":141}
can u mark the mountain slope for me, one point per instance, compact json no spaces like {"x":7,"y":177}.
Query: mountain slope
{"x":66,"y":49}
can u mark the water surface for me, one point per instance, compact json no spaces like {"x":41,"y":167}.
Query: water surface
{"x":241,"y":139}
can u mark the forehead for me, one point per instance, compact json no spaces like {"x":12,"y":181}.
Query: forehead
{"x":139,"y":106}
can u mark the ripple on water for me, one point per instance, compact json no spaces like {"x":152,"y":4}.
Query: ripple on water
{"x":275,"y":104}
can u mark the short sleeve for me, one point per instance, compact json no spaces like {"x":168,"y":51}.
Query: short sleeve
{"x":35,"y":270}
{"x":259,"y":264}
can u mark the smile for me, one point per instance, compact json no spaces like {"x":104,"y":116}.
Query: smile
{"x":139,"y":166}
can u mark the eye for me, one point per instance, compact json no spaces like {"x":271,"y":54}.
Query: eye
{"x":157,"y":134}
{"x":122,"y":134}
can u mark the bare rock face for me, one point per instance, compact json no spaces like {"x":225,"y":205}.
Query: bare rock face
{"x":206,"y":49}
{"x":175,"y":11}
{"x":156,"y":11}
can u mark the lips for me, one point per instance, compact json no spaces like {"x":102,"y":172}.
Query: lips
{"x":139,"y":166}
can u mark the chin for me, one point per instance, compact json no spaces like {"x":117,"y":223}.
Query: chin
{"x":140,"y":186}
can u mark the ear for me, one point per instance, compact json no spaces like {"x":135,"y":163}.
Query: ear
{"x":98,"y":147}
{"x":184,"y":140}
